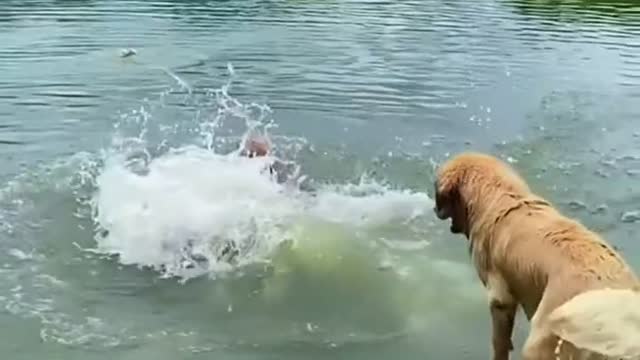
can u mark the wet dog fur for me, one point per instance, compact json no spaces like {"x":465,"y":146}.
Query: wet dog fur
{"x":525,"y":251}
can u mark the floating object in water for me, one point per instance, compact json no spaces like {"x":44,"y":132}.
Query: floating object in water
{"x":631,"y":216}
{"x":577,"y":205}
{"x":385,"y":266}
{"x":124,"y":53}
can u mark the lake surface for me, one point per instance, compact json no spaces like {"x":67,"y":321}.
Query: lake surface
{"x":111,"y":164}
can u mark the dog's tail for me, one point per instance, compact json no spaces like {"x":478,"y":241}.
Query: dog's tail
{"x":605,"y":322}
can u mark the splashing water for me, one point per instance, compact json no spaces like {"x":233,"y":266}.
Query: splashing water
{"x":191,"y":210}
{"x":190,"y":200}
{"x":173,"y":194}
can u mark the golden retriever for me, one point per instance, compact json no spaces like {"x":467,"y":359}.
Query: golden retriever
{"x":528,"y":254}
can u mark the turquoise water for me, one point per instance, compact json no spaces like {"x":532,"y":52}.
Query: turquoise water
{"x":365,"y":95}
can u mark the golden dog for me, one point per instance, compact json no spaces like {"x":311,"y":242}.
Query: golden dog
{"x":528,"y":254}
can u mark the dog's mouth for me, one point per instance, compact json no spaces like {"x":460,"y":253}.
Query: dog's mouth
{"x":455,"y":228}
{"x":443,"y":214}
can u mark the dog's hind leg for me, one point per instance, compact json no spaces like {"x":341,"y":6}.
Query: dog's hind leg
{"x":542,"y":344}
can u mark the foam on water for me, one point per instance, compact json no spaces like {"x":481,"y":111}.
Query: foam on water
{"x":192,"y":199}
{"x":181,"y":211}
{"x":369,"y":203}
{"x":179,"y":215}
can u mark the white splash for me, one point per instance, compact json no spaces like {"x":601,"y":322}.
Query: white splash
{"x":188,"y":205}
{"x":188,"y":199}
{"x":200,"y":210}
{"x":369,"y":203}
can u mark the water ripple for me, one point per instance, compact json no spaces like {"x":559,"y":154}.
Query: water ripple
{"x":423,"y":77}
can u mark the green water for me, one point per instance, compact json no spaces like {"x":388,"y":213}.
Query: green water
{"x":384,"y":88}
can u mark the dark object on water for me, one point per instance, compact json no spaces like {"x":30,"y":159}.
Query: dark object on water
{"x":229,"y":252}
{"x":124,"y":53}
{"x":226,"y":253}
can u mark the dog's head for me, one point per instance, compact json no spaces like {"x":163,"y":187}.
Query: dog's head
{"x":448,"y":201}
{"x":467,"y":180}
{"x":256,"y":146}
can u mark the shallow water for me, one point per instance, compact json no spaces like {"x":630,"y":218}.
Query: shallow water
{"x":365,"y":95}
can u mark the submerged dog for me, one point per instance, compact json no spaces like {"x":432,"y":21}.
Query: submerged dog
{"x":568,"y":280}
{"x":282,"y":172}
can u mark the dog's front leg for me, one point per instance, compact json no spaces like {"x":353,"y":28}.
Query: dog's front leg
{"x":503,"y":312}
{"x":503,"y":317}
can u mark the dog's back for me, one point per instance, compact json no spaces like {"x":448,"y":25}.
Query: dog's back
{"x":536,"y":247}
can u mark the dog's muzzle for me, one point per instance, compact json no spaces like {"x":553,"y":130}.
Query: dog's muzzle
{"x":441,"y":213}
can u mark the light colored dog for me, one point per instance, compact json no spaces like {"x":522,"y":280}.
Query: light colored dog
{"x":528,"y":254}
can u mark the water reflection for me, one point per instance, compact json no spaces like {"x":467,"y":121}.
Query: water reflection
{"x":624,"y":13}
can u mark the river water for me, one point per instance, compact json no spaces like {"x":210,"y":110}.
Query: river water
{"x":111,"y":166}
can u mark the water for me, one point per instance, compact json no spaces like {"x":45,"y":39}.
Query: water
{"x":366,"y":96}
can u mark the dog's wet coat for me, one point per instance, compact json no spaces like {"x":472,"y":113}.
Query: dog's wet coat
{"x":525,"y":252}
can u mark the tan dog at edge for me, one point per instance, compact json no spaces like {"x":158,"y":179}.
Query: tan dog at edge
{"x":580,"y":296}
